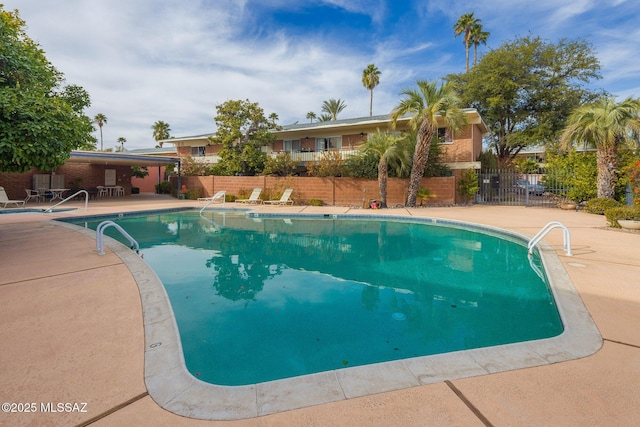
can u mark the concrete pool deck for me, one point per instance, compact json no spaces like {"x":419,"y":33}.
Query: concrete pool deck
{"x":72,"y":332}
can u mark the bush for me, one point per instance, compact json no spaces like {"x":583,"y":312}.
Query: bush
{"x":622,"y":212}
{"x":316,"y":202}
{"x":195,"y":193}
{"x":164,"y":187}
{"x":135,"y":190}
{"x":600,"y":205}
{"x":229,"y":198}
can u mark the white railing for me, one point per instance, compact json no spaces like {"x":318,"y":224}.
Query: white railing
{"x":86,"y":201}
{"x":545,"y":230}
{"x":100,"y":236}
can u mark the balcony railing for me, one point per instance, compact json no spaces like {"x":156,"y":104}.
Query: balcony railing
{"x":298,"y":156}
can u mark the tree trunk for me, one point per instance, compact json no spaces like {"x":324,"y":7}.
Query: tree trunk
{"x":383,"y":176}
{"x":371,"y":103}
{"x":420,"y":156}
{"x":607,"y":161}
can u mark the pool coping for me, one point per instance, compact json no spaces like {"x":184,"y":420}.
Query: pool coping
{"x":172,"y":387}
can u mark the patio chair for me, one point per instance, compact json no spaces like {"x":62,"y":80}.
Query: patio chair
{"x":254,"y":198}
{"x":219,"y":196}
{"x":4,"y":200}
{"x":284,"y":200}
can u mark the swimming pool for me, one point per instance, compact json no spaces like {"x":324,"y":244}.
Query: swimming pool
{"x":397,"y":306}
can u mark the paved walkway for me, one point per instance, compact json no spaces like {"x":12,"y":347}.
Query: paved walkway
{"x":72,"y":333}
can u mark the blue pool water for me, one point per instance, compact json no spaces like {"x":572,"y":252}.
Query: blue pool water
{"x":259,"y":299}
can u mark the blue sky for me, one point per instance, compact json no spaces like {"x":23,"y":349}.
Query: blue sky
{"x":175,"y":60}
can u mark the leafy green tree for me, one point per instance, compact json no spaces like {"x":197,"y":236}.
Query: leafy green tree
{"x":384,"y":147}
{"x":101,"y":120}
{"x":161,"y":130}
{"x":525,"y":89}
{"x":607,"y":125}
{"x":371,"y":79}
{"x":242,"y":130}
{"x":333,"y":107}
{"x":574,"y":174}
{"x":41,"y":121}
{"x":463,"y":26}
{"x":281,"y":164}
{"x":427,"y":104}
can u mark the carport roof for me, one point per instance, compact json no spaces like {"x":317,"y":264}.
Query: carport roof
{"x":121,"y":158}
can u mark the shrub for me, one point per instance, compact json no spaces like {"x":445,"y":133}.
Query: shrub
{"x":229,"y":198}
{"x":622,"y":212}
{"x":195,"y":193}
{"x":316,"y":202}
{"x":600,"y":205}
{"x":164,"y":187}
{"x":135,"y":190}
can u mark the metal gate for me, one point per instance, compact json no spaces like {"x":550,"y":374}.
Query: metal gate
{"x":512,"y":188}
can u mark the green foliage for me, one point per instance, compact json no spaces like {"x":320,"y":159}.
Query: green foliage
{"x":488,"y":161}
{"x":229,"y":198}
{"x":316,"y":202}
{"x":631,"y":213}
{"x":424,"y":194}
{"x":191,"y":167}
{"x":41,"y":121}
{"x":329,"y":164}
{"x":161,"y":130}
{"x":164,"y":187}
{"x":468,"y":185}
{"x":574,"y":171}
{"x":243,"y":130}
{"x":195,"y":193}
{"x":525,"y":89}
{"x":139,"y":172}
{"x":362,"y":165}
{"x":333,"y":107}
{"x":281,"y":165}
{"x":527,"y":165}
{"x":599,"y":205}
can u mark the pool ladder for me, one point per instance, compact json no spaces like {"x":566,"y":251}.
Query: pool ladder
{"x":100,"y":236}
{"x":545,"y":230}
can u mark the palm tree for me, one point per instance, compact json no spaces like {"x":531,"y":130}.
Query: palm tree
{"x":122,"y":140}
{"x":100,"y":119}
{"x":478,"y":37}
{"x":463,"y":26}
{"x":371,"y":79}
{"x":333,"y":107}
{"x":428,"y":103}
{"x":607,"y":125}
{"x":325,"y":117}
{"x":311,"y":115}
{"x":384,"y":146}
{"x":161,"y":130}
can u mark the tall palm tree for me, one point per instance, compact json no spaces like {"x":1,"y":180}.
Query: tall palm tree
{"x":326,"y":117}
{"x":478,"y":37}
{"x":371,"y":79}
{"x":122,"y":140}
{"x":100,"y":119}
{"x":607,"y":125}
{"x":333,"y":107}
{"x":311,"y":115}
{"x":161,"y":130}
{"x":428,"y":103}
{"x":384,"y":146}
{"x":463,"y":26}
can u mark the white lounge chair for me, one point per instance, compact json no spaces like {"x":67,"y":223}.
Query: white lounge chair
{"x":254,"y":198}
{"x":284,"y":200}
{"x":4,"y":200}
{"x":219,"y":196}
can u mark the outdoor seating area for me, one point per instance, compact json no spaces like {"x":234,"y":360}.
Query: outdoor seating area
{"x":284,"y":200}
{"x":110,"y":190}
{"x":253,"y":199}
{"x":5,"y":201}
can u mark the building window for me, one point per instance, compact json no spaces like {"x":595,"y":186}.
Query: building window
{"x":329,"y":143}
{"x":292,"y":145}
{"x":445,"y":136}
{"x":198,"y":151}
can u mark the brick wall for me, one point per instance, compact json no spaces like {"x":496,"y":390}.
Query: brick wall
{"x":332,"y":191}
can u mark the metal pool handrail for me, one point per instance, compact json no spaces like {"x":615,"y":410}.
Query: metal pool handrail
{"x":100,"y":236}
{"x":86,"y":201}
{"x":545,"y":230}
